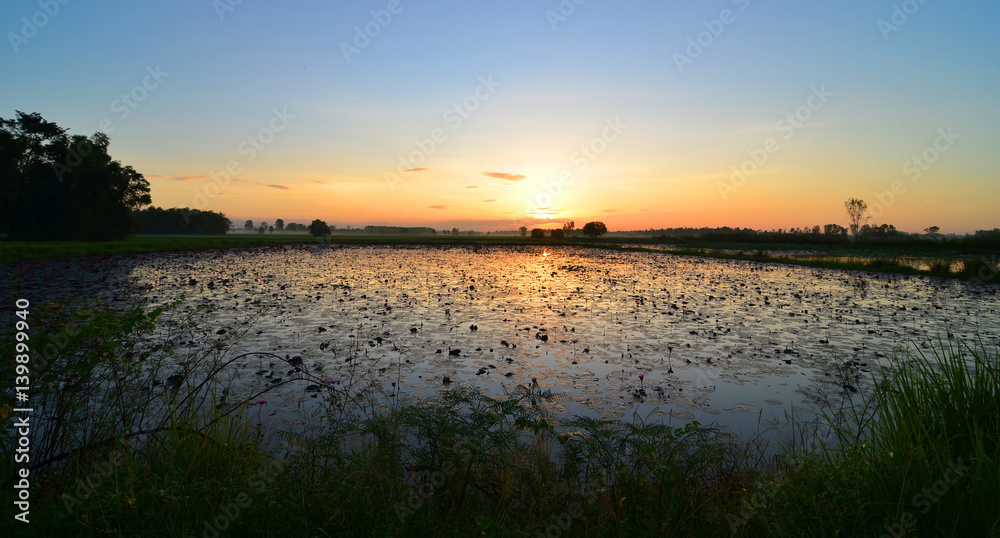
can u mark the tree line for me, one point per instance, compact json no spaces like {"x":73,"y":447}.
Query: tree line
{"x":61,"y":187}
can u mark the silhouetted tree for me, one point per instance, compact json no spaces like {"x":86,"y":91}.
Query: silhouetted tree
{"x":557,"y":234}
{"x":523,"y":230}
{"x":270,"y":229}
{"x":248,"y":225}
{"x":538,"y":233}
{"x":279,"y":225}
{"x":569,"y":226}
{"x":54,"y":186}
{"x":857,"y":211}
{"x":933,"y":231}
{"x":319,"y":228}
{"x":154,"y":220}
{"x":595,"y":229}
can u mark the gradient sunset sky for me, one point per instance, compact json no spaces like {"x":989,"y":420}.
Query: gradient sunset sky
{"x":319,"y":120}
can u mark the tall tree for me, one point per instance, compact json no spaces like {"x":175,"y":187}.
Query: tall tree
{"x":248,"y":225}
{"x":857,"y":215}
{"x":61,"y":187}
{"x":279,"y":225}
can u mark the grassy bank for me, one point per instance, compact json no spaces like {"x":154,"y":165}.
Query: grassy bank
{"x":138,"y":244}
{"x":968,"y":268}
{"x":965,"y":268}
{"x":121,"y":454}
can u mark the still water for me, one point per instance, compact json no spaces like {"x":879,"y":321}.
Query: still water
{"x":612,"y":334}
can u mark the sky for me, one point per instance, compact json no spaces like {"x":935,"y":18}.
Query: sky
{"x":490,"y":116}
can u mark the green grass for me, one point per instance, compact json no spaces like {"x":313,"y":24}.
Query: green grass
{"x":138,"y":244}
{"x":865,"y":261}
{"x":918,"y":453}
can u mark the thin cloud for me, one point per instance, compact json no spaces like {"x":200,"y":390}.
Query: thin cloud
{"x":158,"y":176}
{"x":282,"y":187}
{"x":316,"y":181}
{"x":415,"y":170}
{"x":490,"y":200}
{"x":472,"y":187}
{"x":504,"y":176}
{"x":610,"y":211}
{"x":188,"y":178}
{"x":438,"y":206}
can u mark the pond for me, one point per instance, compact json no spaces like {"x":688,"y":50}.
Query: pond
{"x":610,"y":333}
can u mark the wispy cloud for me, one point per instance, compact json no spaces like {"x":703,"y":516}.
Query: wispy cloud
{"x":416,"y":170}
{"x":438,"y":206}
{"x":490,"y":200}
{"x":316,"y":181}
{"x":188,"y":178}
{"x":609,"y":211}
{"x":504,"y":176}
{"x":282,"y":187}
{"x":157,"y":176}
{"x":472,"y":187}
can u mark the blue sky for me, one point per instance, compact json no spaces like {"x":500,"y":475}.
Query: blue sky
{"x":556,"y":88}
